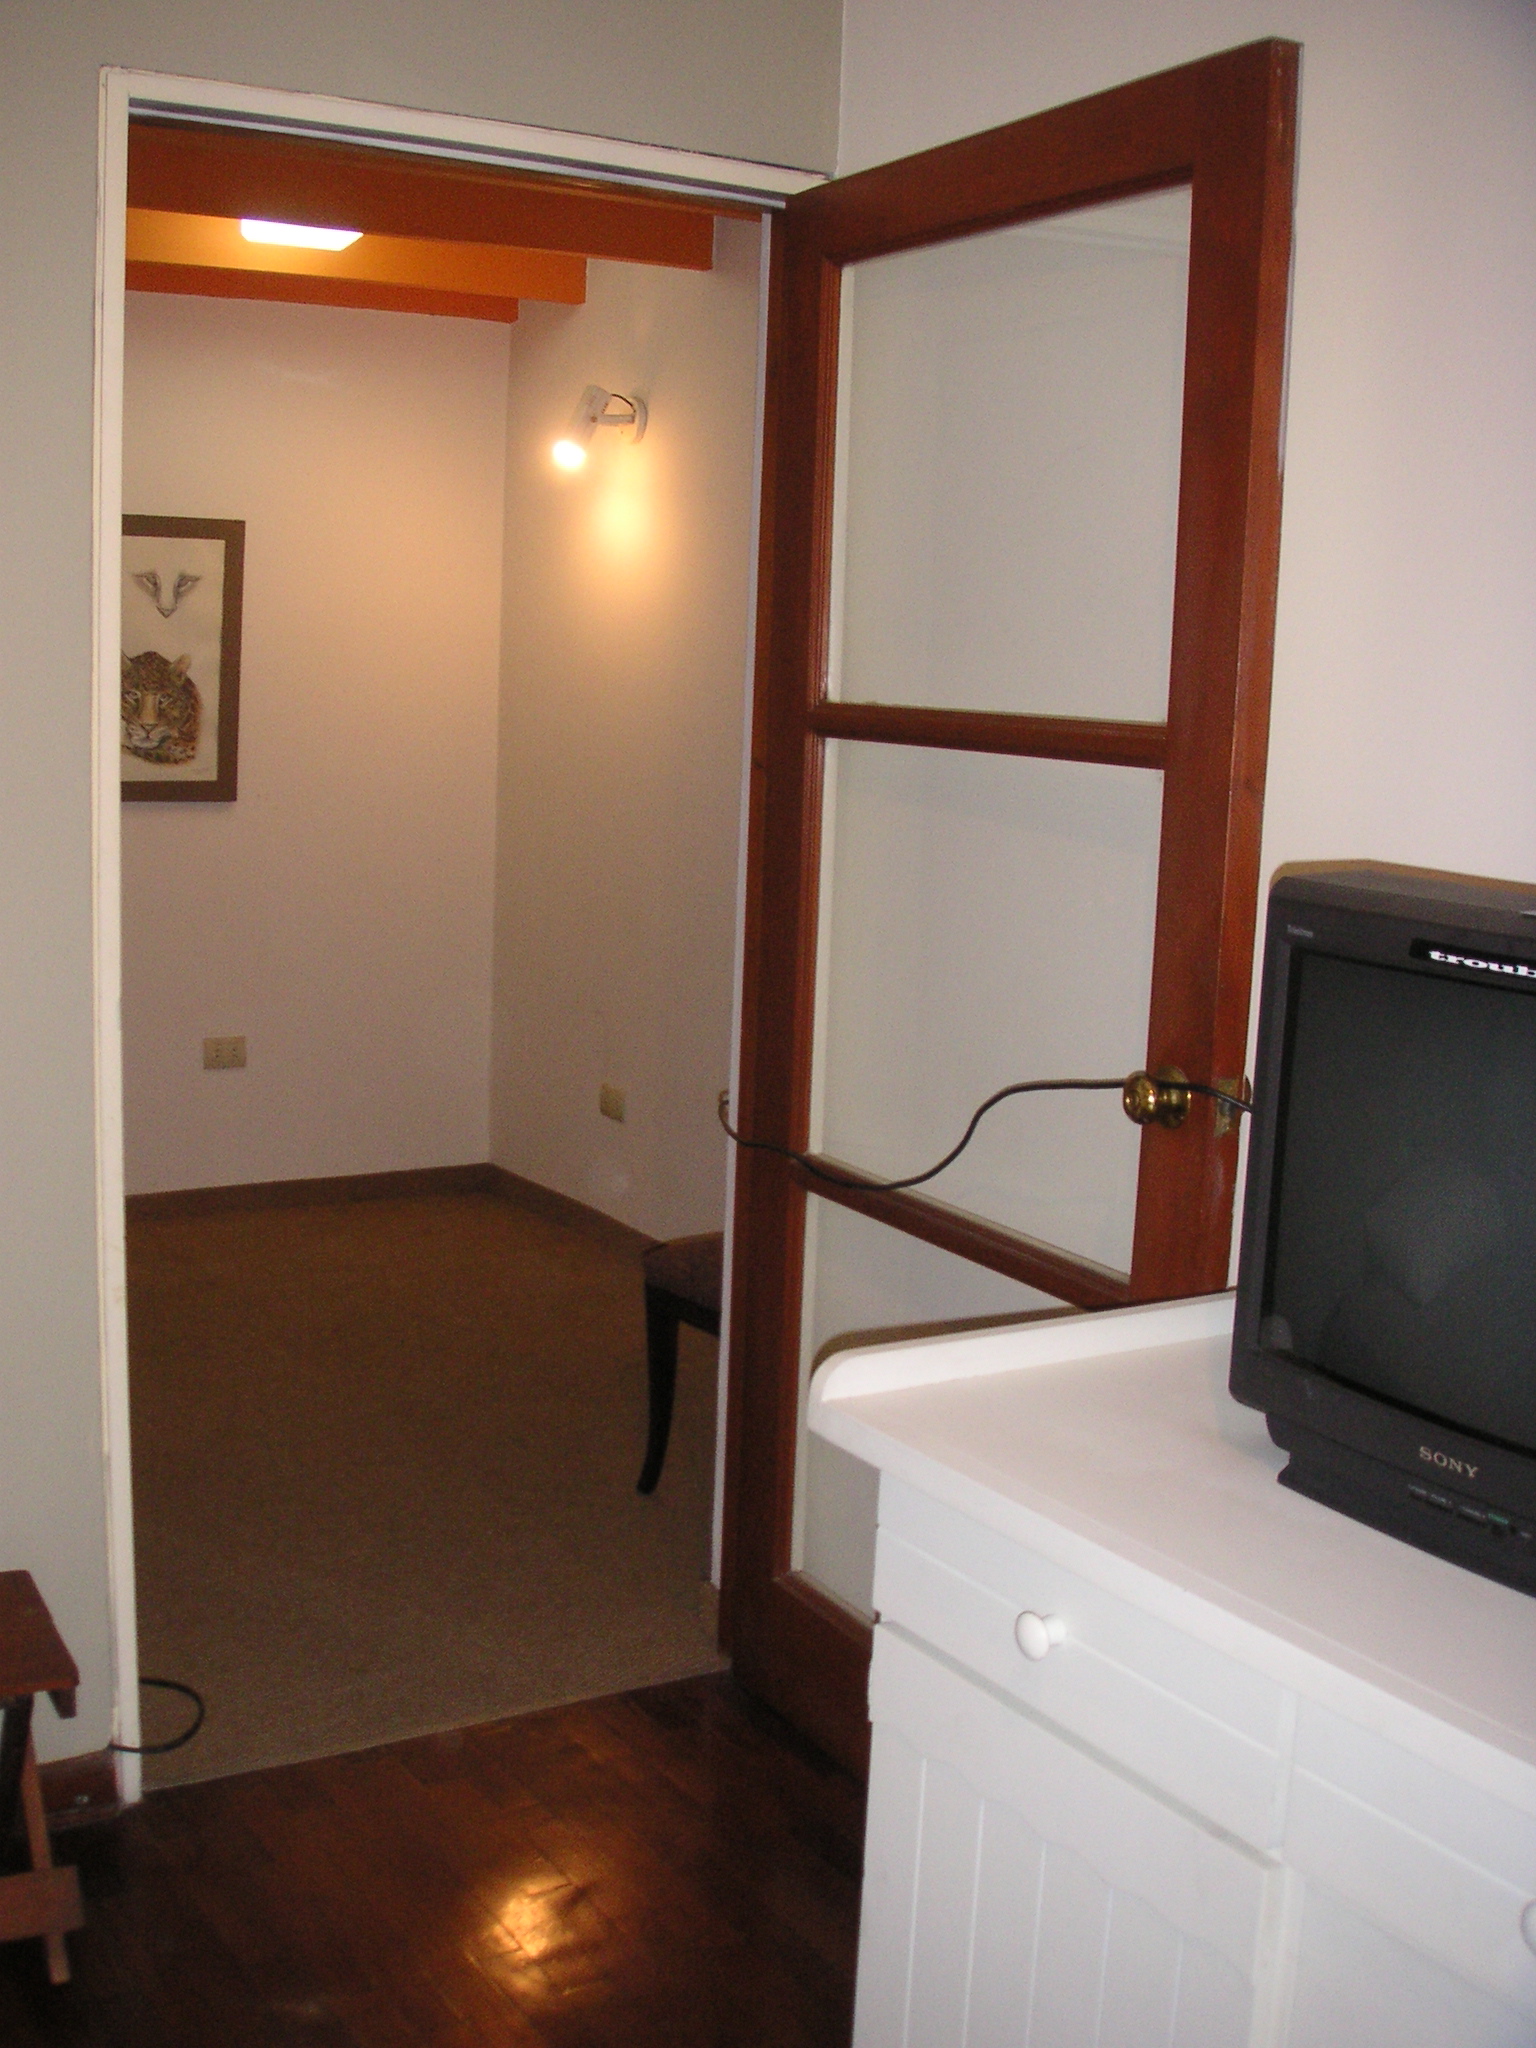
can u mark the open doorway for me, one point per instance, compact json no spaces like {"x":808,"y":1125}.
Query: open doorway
{"x":488,"y":823}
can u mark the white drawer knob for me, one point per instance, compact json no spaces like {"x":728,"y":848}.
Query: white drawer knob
{"x":1528,"y":1926}
{"x":1037,"y":1634}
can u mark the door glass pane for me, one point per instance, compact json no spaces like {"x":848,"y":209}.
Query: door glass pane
{"x":867,"y":1284}
{"x":1008,"y":466}
{"x":984,"y":920}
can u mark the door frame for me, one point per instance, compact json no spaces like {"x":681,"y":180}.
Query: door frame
{"x":1225,"y":127}
{"x":503,"y":144}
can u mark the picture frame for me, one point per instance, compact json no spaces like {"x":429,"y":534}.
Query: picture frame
{"x":182,"y":604}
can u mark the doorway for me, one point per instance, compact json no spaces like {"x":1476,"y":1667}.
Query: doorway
{"x":202,"y":103}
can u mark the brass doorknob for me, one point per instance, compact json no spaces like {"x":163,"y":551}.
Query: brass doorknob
{"x":1160,"y":1098}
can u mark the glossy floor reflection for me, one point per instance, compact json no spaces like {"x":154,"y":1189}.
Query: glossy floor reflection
{"x":667,"y":1866}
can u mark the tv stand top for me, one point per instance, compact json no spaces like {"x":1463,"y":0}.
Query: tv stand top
{"x":1109,"y":1443}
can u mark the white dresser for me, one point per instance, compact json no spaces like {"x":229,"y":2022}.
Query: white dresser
{"x":1164,"y":1753}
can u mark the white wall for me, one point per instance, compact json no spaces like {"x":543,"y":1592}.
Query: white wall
{"x":338,"y":914}
{"x":624,"y":659}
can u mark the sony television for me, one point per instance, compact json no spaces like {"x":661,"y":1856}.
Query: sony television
{"x":1386,"y":1296}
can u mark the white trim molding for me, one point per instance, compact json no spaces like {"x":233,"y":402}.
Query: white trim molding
{"x":467,"y":137}
{"x":106,"y":782}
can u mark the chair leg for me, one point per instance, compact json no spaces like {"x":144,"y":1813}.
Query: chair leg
{"x":41,"y":1900}
{"x":42,"y":1859}
{"x":661,"y":1321}
{"x":15,"y":1734}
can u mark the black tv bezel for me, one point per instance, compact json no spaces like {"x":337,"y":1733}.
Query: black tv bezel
{"x":1418,"y":1477}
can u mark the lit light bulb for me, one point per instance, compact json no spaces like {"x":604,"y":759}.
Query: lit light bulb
{"x":569,"y":454}
{"x":288,"y":235}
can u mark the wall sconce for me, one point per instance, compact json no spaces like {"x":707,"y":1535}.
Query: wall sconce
{"x":599,"y":408}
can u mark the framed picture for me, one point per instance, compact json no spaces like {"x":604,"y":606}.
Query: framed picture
{"x":183,"y":582}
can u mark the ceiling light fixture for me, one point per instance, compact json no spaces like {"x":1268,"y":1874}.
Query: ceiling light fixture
{"x":288,"y":235}
{"x":595,"y":409}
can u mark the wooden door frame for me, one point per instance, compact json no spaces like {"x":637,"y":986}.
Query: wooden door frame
{"x":1225,"y":127}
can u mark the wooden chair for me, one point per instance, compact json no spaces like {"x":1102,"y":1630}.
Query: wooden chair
{"x":40,"y":1901}
{"x":682,"y":1285}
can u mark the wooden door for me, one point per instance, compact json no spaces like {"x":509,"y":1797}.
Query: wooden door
{"x":1222,"y":130}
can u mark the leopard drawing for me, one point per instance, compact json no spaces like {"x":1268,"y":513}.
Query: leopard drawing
{"x":162,"y":710}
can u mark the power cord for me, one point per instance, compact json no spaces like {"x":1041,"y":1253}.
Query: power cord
{"x":176,"y":1741}
{"x":1146,"y":1098}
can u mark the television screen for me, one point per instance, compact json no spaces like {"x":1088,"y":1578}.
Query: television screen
{"x":1401,"y":1232}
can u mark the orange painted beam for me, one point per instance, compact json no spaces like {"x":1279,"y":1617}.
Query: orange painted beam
{"x":484,"y":269}
{"x":237,"y":174}
{"x":190,"y":280}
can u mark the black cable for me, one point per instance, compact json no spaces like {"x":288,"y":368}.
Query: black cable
{"x":890,"y":1187}
{"x":177,"y":1741}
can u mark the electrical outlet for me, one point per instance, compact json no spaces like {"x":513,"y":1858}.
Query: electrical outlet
{"x":223,"y":1052}
{"x":610,"y":1101}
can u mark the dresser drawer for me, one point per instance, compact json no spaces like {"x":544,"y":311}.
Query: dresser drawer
{"x":1017,"y":1887}
{"x":1433,"y":1860}
{"x":1195,"y":1724}
{"x":1210,"y":1889}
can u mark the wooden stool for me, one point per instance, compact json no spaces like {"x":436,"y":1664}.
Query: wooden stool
{"x":33,"y":1659}
{"x":682,"y":1285}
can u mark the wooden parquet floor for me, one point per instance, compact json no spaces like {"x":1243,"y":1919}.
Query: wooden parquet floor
{"x":668,"y":1866}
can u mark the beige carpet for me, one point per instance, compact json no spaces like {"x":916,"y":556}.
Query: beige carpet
{"x":384,"y":1469}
